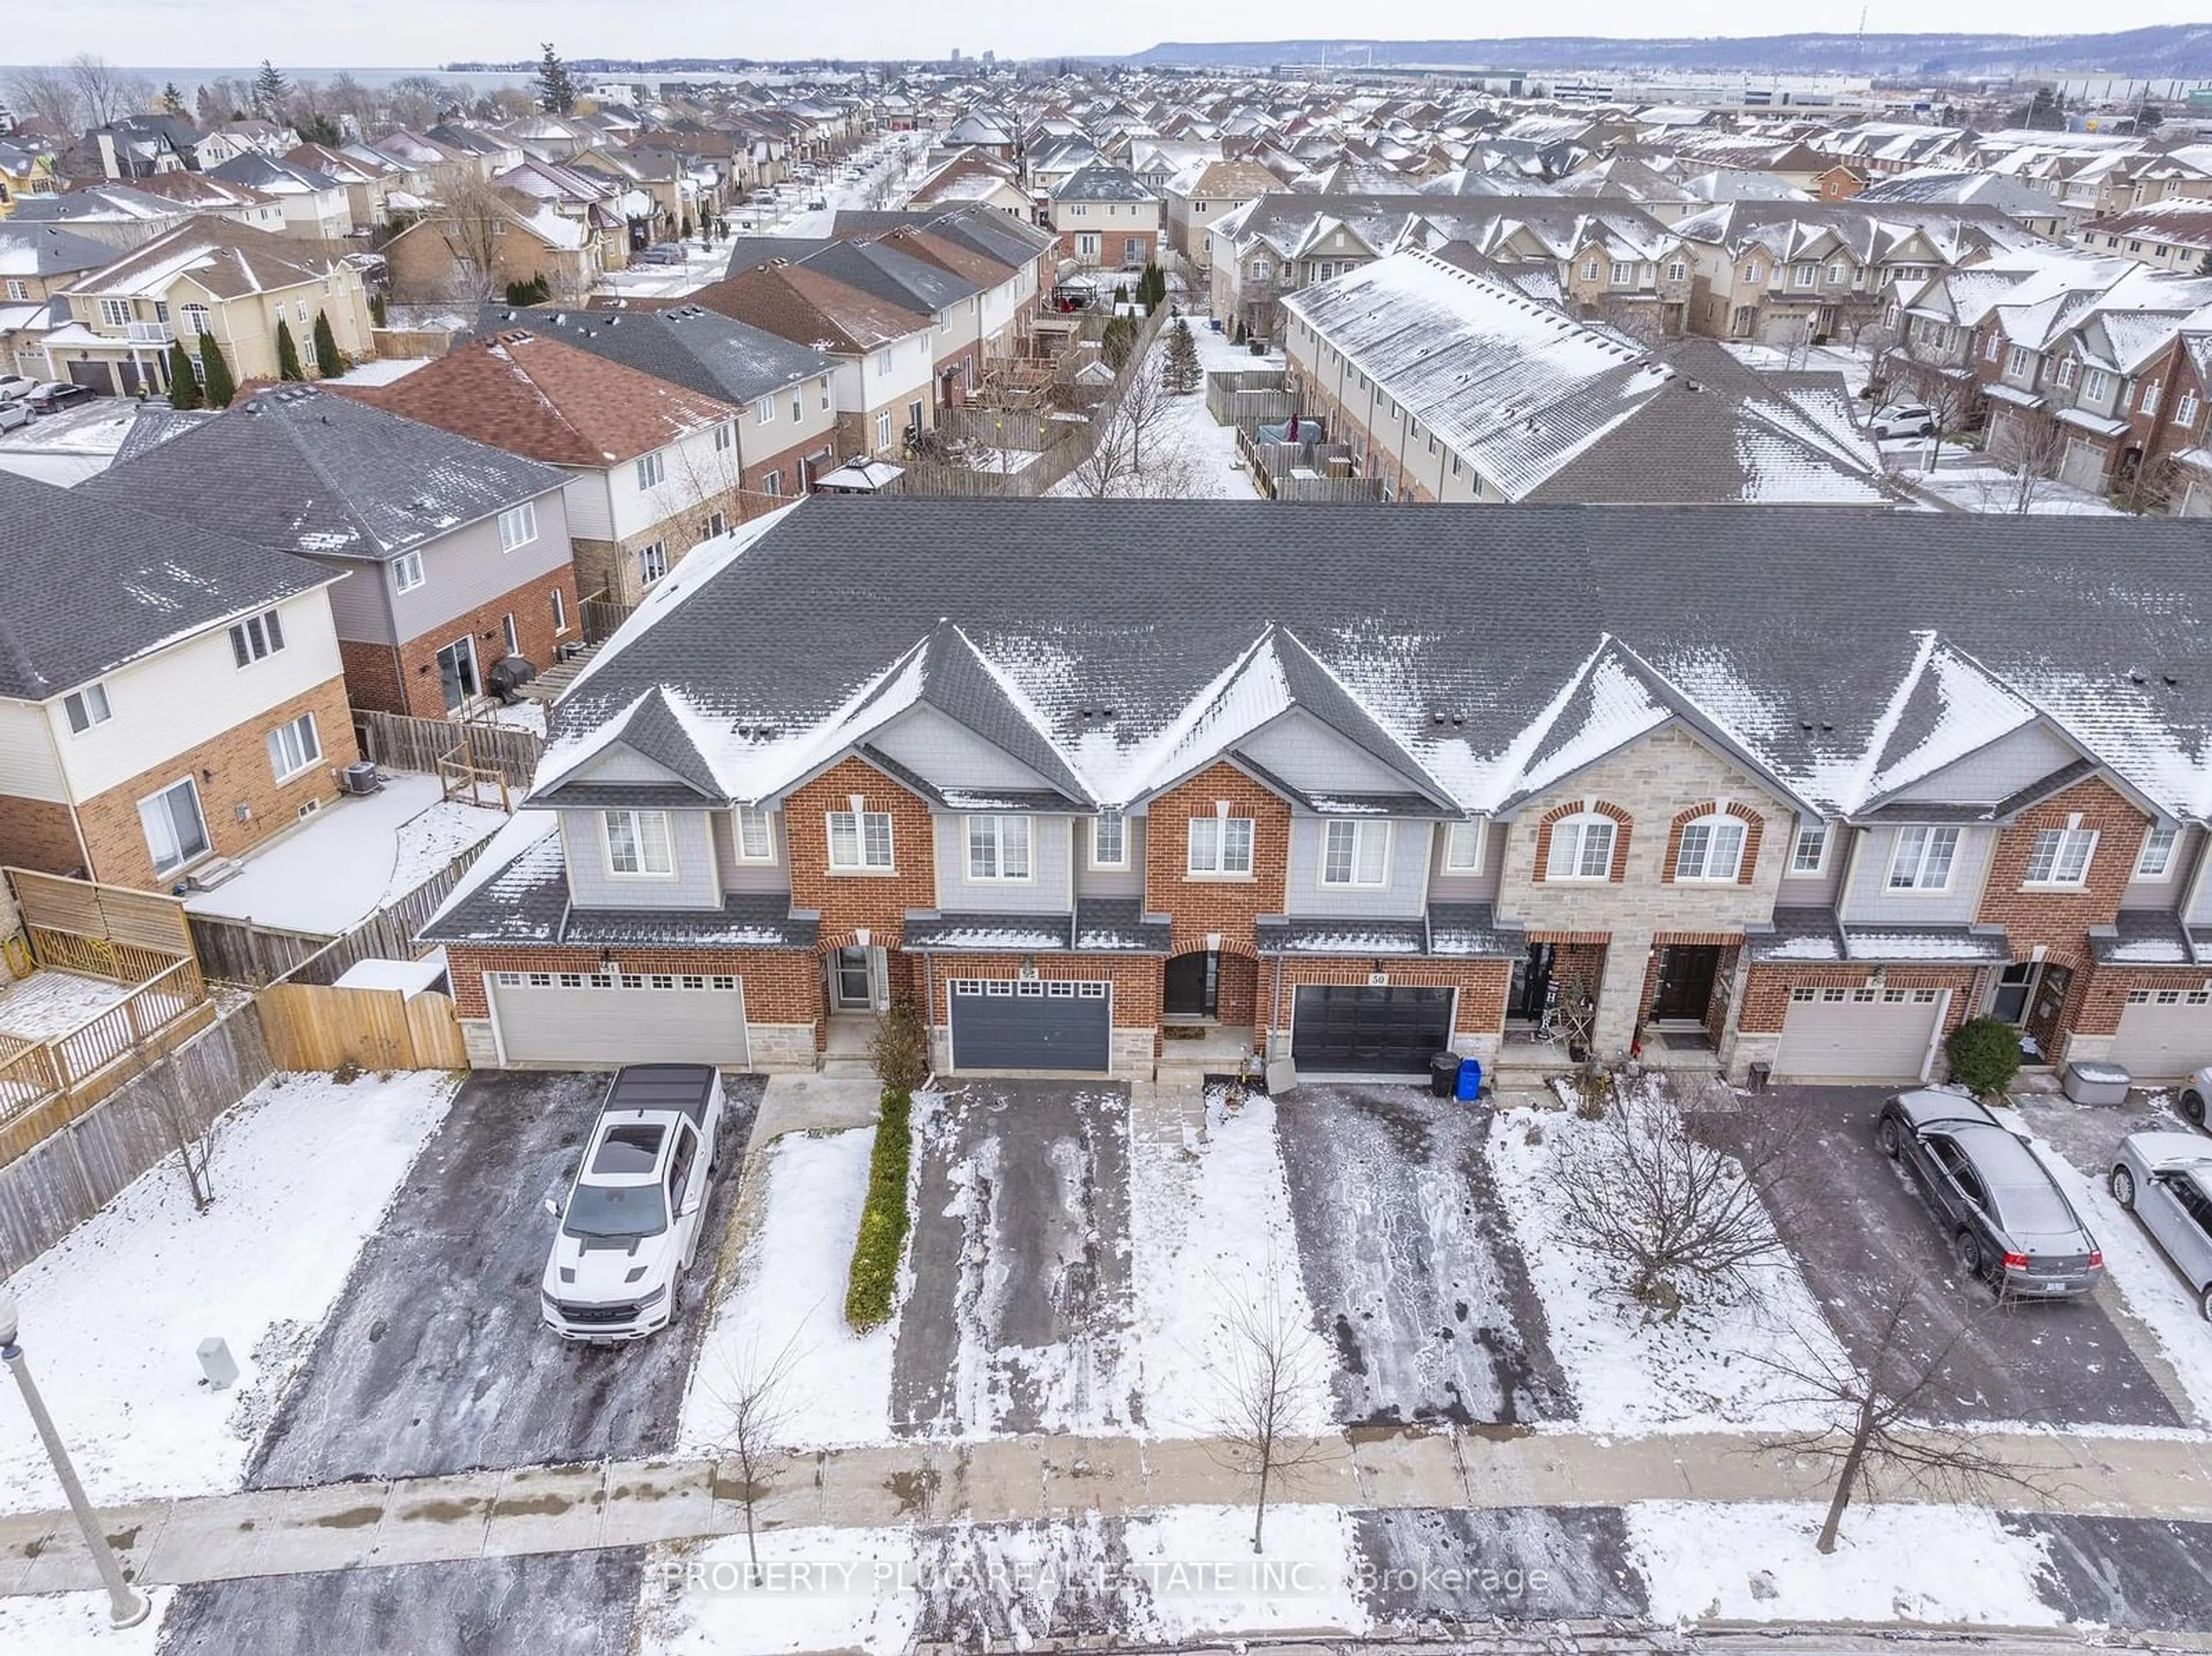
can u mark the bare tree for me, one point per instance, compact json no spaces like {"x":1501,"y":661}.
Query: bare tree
{"x":1135,"y":456}
{"x":1641,"y":1192}
{"x":348,"y":100}
{"x":159,"y":1090}
{"x":472,"y":217}
{"x":753,"y":1392}
{"x":2034,"y":450}
{"x":1868,"y":1435}
{"x":220,"y":102}
{"x":1269,"y":1382}
{"x":417,"y":100}
{"x":105,"y":91}
{"x":48,"y":96}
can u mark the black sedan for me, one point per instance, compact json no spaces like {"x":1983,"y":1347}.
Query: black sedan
{"x":58,"y":394}
{"x":2010,"y":1223}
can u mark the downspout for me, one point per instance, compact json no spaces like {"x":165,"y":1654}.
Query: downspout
{"x":69,"y":789}
{"x":929,"y":1023}
{"x":1275,"y":1012}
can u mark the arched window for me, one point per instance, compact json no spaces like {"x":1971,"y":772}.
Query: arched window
{"x":1581,"y":847}
{"x":1710,"y":848}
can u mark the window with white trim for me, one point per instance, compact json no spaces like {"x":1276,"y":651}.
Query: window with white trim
{"x":2096,"y":383}
{"x":726,"y":434}
{"x":86,"y":707}
{"x":510,"y":634}
{"x":294,"y":747}
{"x":1463,"y":848}
{"x":1808,"y":853}
{"x":1581,"y":848}
{"x":755,"y":837}
{"x":1356,"y":852}
{"x":2150,"y":395}
{"x":2155,"y":860}
{"x":1922,"y":859}
{"x":651,"y":563}
{"x":883,"y":429}
{"x":407,"y":571}
{"x":999,"y":848}
{"x":1109,"y":839}
{"x":860,"y":841}
{"x":2068,"y":372}
{"x":115,"y":312}
{"x":256,"y":638}
{"x":652,"y":469}
{"x":2060,"y":857}
{"x":1711,"y":848}
{"x":2184,"y":411}
{"x":1220,"y":845}
{"x":560,"y":611}
{"x":518,"y":525}
{"x":639,"y":845}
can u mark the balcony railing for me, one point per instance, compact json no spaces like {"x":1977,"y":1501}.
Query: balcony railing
{"x":149,"y":333}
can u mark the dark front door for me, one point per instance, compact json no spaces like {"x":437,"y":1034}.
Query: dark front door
{"x":1193,"y":984}
{"x":1350,"y":1028}
{"x":1686,"y":982}
{"x":1532,"y":982}
{"x":2014,"y":984}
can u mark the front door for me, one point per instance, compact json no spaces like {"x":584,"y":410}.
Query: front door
{"x":851,"y":982}
{"x":457,"y":674}
{"x":1686,"y":983}
{"x":1532,"y":982}
{"x":1193,"y":984}
{"x":2015,"y":984}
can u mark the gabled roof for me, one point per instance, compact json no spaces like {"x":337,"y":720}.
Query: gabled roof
{"x":1096,"y":182}
{"x":47,"y":250}
{"x":689,"y":345}
{"x":652,"y":729}
{"x":228,"y":260}
{"x":812,"y":307}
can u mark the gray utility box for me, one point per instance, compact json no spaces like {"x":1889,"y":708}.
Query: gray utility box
{"x":2093,"y":1082}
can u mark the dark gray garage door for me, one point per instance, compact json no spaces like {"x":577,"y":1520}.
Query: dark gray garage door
{"x":1001,"y":1023}
{"x":1351,"y":1029}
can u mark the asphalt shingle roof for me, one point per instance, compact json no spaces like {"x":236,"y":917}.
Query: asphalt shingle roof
{"x":690,"y":345}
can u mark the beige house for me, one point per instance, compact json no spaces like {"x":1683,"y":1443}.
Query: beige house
{"x":445,"y":254}
{"x":1200,"y":195}
{"x":206,"y":277}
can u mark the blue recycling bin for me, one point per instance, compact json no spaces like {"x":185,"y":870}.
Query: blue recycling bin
{"x":1470,"y":1081}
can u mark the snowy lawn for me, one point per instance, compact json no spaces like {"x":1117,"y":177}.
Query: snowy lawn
{"x":303,"y":1169}
{"x":75,"y":1624}
{"x":1213,"y":1240}
{"x":1757,"y":1562}
{"x":790,"y":1295}
{"x":1211,"y":449}
{"x":1633,"y":1372}
{"x":1205,"y":1578}
{"x":1975,"y":484}
{"x":819,"y":1589}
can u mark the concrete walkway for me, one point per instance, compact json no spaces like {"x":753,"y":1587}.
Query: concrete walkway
{"x":623,"y":1503}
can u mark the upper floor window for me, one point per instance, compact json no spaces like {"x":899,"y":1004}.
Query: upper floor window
{"x":999,"y":848}
{"x":2068,"y":370}
{"x":1109,"y":839}
{"x":1923,"y":859}
{"x":256,"y":637}
{"x":86,"y":707}
{"x":652,"y":469}
{"x":407,"y":571}
{"x":1463,"y":848}
{"x":1356,"y":853}
{"x":764,"y":411}
{"x":797,"y":407}
{"x":196,"y":319}
{"x":1836,"y":272}
{"x":755,"y":841}
{"x":1711,"y":848}
{"x":2096,"y":383}
{"x":651,"y":563}
{"x":1676,"y":270}
{"x":1751,"y":273}
{"x":1801,"y":276}
{"x":1582,"y":849}
{"x":2060,"y":857}
{"x":2155,"y":860}
{"x":18,"y":289}
{"x":2184,"y":411}
{"x":1624,"y":273}
{"x":726,"y":434}
{"x":115,"y":312}
{"x":1220,"y":845}
{"x":1590,"y":269}
{"x":639,"y":843}
{"x":1260,"y":268}
{"x":518,"y":525}
{"x":860,"y":840}
{"x":1990,"y":350}
{"x":2150,"y":394}
{"x":1808,"y":853}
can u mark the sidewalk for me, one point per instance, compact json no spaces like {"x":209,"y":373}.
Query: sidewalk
{"x":628,"y":1503}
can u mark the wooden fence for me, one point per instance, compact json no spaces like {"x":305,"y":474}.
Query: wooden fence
{"x":1244,"y":397}
{"x":1022,"y":428}
{"x":1275,"y":465}
{"x":428,"y":745}
{"x":87,"y":914}
{"x":312,"y":1025}
{"x":602,"y":618}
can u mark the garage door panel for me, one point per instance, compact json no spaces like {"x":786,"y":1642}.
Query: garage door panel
{"x":1858,"y":1034}
{"x":593,"y":1020}
{"x":1031,"y":1024}
{"x":2163,"y":1034}
{"x":1359,"y":1030}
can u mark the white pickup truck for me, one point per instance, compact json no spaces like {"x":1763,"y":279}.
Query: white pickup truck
{"x":631,"y":1221}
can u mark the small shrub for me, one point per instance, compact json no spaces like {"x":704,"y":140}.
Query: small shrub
{"x":899,"y":1050}
{"x":347,"y":1073}
{"x":872,"y":1289}
{"x":1984,"y":1054}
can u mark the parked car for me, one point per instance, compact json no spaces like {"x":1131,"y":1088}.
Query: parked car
{"x":630,"y":1224}
{"x":2195,"y":1093}
{"x":664,"y":252}
{"x":58,"y":394}
{"x":2165,"y":1178}
{"x":1903,"y":420}
{"x":2010,"y":1223}
{"x":15,"y":413}
{"x":14,"y":387}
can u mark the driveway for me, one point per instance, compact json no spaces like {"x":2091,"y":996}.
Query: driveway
{"x":1857,"y":1226}
{"x":1018,"y":1318}
{"x":434,"y":1360}
{"x":1411,"y":1269}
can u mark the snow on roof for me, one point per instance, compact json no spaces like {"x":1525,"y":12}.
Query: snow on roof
{"x":517,"y":856}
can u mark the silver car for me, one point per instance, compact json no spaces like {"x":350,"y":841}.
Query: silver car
{"x":2195,"y":1092}
{"x":2165,"y":1178}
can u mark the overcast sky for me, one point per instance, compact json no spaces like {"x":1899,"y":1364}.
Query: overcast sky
{"x":223,"y":33}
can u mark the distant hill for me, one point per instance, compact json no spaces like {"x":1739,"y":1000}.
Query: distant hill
{"x":2174,"y":49}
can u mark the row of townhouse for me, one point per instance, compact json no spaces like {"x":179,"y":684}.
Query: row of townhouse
{"x":1809,"y":784}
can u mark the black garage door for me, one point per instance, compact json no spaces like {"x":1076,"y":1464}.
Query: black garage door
{"x":1028,"y":1024}
{"x":1349,"y":1029}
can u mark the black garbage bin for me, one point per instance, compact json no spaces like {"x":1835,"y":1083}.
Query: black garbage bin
{"x":1443,"y":1074}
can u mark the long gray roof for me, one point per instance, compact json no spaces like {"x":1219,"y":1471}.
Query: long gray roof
{"x":691,"y":346}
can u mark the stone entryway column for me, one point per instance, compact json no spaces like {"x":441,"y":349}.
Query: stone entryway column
{"x":1627,"y":960}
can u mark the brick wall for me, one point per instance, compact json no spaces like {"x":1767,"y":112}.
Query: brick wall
{"x":38,"y":834}
{"x":1766,"y":989}
{"x":372,"y":676}
{"x":785,"y":463}
{"x":532,"y":605}
{"x":1754,"y":830}
{"x":782,"y":986}
{"x":1229,"y":906}
{"x":848,"y":902}
{"x":2101,"y":995}
{"x":2062,"y":919}
{"x":231,"y":770}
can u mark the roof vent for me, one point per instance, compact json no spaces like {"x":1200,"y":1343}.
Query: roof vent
{"x":2138,"y":678}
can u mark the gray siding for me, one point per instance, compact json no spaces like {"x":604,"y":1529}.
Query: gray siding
{"x":698,"y":883}
{"x":1404,"y":896}
{"x":1869,"y":902}
{"x":618,"y":762}
{"x":750,"y":877}
{"x":950,"y":754}
{"x":1046,"y":892}
{"x":1312,"y":758}
{"x":2165,"y":893}
{"x":1998,"y":770}
{"x":1110,"y":882}
{"x":1480,"y":888}
{"x":1815,"y":890}
{"x":465,"y":569}
{"x":360,"y":605}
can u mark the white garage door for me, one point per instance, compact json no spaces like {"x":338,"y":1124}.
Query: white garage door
{"x":2083,"y":466}
{"x":593,"y":1020}
{"x":1859,"y":1035}
{"x":2165,"y":1032}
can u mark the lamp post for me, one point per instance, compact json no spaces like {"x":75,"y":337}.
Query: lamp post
{"x":127,"y":1605}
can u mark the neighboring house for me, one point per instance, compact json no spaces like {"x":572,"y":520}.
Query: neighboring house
{"x":122,"y":215}
{"x":195,"y":712}
{"x":1012,"y":262}
{"x":457,"y":555}
{"x":315,"y":205}
{"x":1638,"y":773}
{"x":206,"y":277}
{"x":37,"y":261}
{"x":205,"y":193}
{"x":905,"y":277}
{"x":369,"y":184}
{"x":1200,"y":195}
{"x":437,"y":256}
{"x":23,"y":172}
{"x":2173,"y":236}
{"x":653,"y":468}
{"x":1106,"y":219}
{"x":787,"y":428}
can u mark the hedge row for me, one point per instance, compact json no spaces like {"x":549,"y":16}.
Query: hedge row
{"x":872,"y":1287}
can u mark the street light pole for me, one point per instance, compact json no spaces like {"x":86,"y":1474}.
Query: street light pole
{"x":127,"y":1605}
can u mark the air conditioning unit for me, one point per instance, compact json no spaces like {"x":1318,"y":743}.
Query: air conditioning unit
{"x":208,"y":876}
{"x":360,"y":778}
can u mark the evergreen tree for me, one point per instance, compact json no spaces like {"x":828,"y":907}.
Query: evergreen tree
{"x":287,"y":353}
{"x":1119,"y":340}
{"x":184,"y":383}
{"x":217,"y":383}
{"x":684,"y":235}
{"x":1242,"y":335}
{"x":376,"y":310}
{"x":556,"y":93}
{"x":1183,"y":375}
{"x":173,"y":102}
{"x":328,"y":363}
{"x":270,"y":90}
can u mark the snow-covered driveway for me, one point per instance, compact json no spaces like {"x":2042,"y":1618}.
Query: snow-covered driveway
{"x":1411,"y":1270}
